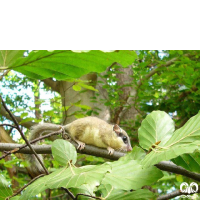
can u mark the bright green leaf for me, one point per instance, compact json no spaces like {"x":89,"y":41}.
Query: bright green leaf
{"x":76,"y":87}
{"x":190,"y":162}
{"x":136,"y":154}
{"x":64,"y":152}
{"x":5,"y":190}
{"x":64,"y":64}
{"x":8,"y":57}
{"x":166,"y":154}
{"x":133,"y":176}
{"x":157,"y":126}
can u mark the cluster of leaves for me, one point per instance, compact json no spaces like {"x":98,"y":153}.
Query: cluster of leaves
{"x":113,"y":180}
{"x":174,"y":87}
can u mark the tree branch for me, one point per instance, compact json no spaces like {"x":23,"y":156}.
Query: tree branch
{"x":22,"y":134}
{"x":173,"y":194}
{"x":95,"y":151}
{"x":46,"y":149}
{"x":171,"y":167}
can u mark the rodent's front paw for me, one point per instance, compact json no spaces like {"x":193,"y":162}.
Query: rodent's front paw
{"x":110,"y":150}
{"x":81,"y":145}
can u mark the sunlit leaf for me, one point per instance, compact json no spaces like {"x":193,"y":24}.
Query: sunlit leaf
{"x":5,"y":190}
{"x":64,"y":152}
{"x":64,"y":64}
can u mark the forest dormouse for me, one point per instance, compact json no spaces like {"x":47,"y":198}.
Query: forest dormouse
{"x":87,"y":130}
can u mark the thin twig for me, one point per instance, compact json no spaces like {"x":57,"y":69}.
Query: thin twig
{"x":4,"y":74}
{"x":68,"y":192}
{"x":22,"y":135}
{"x":87,"y":196}
{"x":8,"y":125}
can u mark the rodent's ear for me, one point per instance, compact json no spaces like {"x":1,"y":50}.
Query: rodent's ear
{"x":117,"y":129}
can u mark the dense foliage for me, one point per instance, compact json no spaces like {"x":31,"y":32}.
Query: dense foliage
{"x":153,"y":95}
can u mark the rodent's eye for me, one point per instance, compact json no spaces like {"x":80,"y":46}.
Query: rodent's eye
{"x":125,"y":139}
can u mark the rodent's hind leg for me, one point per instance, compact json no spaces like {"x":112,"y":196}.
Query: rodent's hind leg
{"x":81,"y":145}
{"x":110,"y":150}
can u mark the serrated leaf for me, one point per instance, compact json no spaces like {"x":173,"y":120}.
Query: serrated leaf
{"x":157,"y":126}
{"x":64,"y":64}
{"x":129,"y":175}
{"x":5,"y":190}
{"x":64,"y":152}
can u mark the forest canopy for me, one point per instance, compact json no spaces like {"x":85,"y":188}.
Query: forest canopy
{"x":153,"y":95}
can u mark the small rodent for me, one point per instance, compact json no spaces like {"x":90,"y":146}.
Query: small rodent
{"x":87,"y":130}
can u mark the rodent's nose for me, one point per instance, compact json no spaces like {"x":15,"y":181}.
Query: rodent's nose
{"x":129,"y":148}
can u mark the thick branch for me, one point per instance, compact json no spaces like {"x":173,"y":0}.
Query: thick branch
{"x":171,"y":167}
{"x":46,"y":149}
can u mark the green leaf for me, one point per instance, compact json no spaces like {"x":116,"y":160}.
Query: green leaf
{"x":142,"y":194}
{"x":190,"y":162}
{"x":157,"y":126}
{"x":129,"y":175}
{"x":8,"y":57}
{"x":5,"y":190}
{"x":136,"y":154}
{"x":24,"y":115}
{"x":83,"y":106}
{"x":35,"y":188}
{"x":189,"y":133}
{"x":76,"y":87}
{"x":28,"y":119}
{"x":64,"y":64}
{"x":64,"y":152}
{"x":89,"y":87}
{"x":84,"y":189}
{"x":67,"y":177}
{"x":166,"y":154}
{"x":75,"y":177}
{"x":184,"y":140}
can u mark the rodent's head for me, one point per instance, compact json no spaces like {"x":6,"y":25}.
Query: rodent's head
{"x":123,"y":136}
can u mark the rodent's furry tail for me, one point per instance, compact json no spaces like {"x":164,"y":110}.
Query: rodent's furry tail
{"x":36,"y":131}
{"x":39,"y":129}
